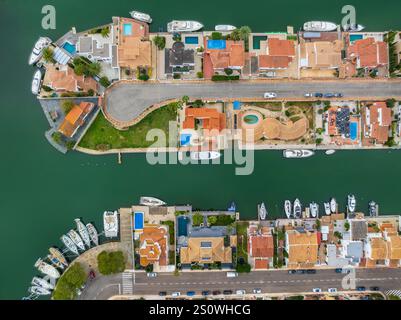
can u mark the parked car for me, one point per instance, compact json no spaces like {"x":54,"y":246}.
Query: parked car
{"x":311,"y":271}
{"x":162,"y":293}
{"x":301,"y":271}
{"x":92,"y":275}
{"x":191,"y":293}
{"x":329,"y":95}
{"x":318,"y":95}
{"x":205,"y":293}
{"x":339,"y":270}
{"x":270,"y":95}
{"x":227,"y":292}
{"x":257,"y":291}
{"x":240,"y":292}
{"x":317,"y":290}
{"x":332,"y":290}
{"x":232,"y":274}
{"x":360,"y":288}
{"x":308,"y":95}
{"x":152,"y":275}
{"x":374,"y":289}
{"x":292,"y":271}
{"x":338,"y":95}
{"x":216,"y":293}
{"x":176,"y":294}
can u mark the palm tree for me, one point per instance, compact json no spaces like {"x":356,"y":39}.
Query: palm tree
{"x":105,"y":32}
{"x":48,"y":55}
{"x":94,"y":68}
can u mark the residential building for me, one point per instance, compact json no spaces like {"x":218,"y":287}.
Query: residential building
{"x":352,"y":251}
{"x":376,"y":252}
{"x":208,"y":119}
{"x":75,"y":119}
{"x":377,"y":119}
{"x":368,"y":53}
{"x":260,"y":248}
{"x":134,"y":46}
{"x":358,"y":229}
{"x":279,"y":55}
{"x":223,"y":54}
{"x":321,"y":55}
{"x":302,"y":249}
{"x":394,"y":251}
{"x":206,"y":251}
{"x":178,"y":59}
{"x":63,"y":79}
{"x":154,"y":246}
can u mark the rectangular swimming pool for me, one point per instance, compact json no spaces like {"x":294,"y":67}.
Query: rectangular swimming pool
{"x":354,"y":37}
{"x":70,"y":48}
{"x":127,"y":29}
{"x":353,"y":128}
{"x":216,"y":44}
{"x":182,"y":226}
{"x":256,"y":41}
{"x":185,"y":139}
{"x":138,"y":221}
{"x":191,"y":40}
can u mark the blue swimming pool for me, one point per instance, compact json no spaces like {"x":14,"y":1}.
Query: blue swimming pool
{"x":251,"y":119}
{"x":216,"y":44}
{"x":127,"y":29}
{"x":182,"y":226}
{"x":70,"y":48}
{"x":138,"y":221}
{"x":353,"y":128}
{"x":191,"y":40}
{"x":354,"y":37}
{"x":185,"y":139}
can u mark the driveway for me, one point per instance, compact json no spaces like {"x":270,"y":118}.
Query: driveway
{"x":126,"y":101}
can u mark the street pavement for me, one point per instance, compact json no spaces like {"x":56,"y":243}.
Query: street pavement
{"x":268,"y":281}
{"x":126,"y":101}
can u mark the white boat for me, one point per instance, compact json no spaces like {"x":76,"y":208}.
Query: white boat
{"x":39,"y":291}
{"x":327,"y":209}
{"x":333,"y":205}
{"x":37,"y":50}
{"x":36,"y":81}
{"x":40,"y":282}
{"x":74,"y":236}
{"x":58,"y":255}
{"x":183,"y":26}
{"x":330,"y":152}
{"x":297,"y":209}
{"x":144,"y":17}
{"x":373,"y":209}
{"x":47,"y":269}
{"x":225,"y":27}
{"x":353,"y":27}
{"x":288,"y":208}
{"x":110,"y":221}
{"x":205,"y":155}
{"x":262,"y":211}
{"x":151,"y":202}
{"x":55,"y":262}
{"x":93,"y":233}
{"x":351,"y":203}
{"x":314,"y":209}
{"x":319,"y":26}
{"x":69,"y":244}
{"x":297,"y":154}
{"x":83,"y":232}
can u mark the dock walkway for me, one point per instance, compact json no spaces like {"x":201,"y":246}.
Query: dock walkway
{"x":126,"y":234}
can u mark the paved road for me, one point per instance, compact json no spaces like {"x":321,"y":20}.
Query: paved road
{"x":127,"y":101}
{"x":269,"y":282}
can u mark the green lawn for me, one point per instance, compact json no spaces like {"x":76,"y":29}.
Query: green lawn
{"x":242,"y":236}
{"x":103,"y":136}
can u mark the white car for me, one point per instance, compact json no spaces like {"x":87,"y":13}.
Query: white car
{"x":332,"y":290}
{"x":270,"y":95}
{"x":152,"y":275}
{"x":308,"y":95}
{"x":240,"y":292}
{"x":176,"y":294}
{"x":317,"y":290}
{"x":257,"y":291}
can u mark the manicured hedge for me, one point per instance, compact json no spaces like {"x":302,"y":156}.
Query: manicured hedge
{"x":219,"y":77}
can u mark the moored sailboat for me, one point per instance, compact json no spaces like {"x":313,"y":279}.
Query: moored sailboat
{"x":83,"y":232}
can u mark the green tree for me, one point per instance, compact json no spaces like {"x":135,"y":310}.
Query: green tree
{"x":67,"y":286}
{"x":105,"y":82}
{"x":94,"y":69}
{"x":185,"y":99}
{"x":105,"y":32}
{"x":197,"y":219}
{"x":111,"y":262}
{"x":217,"y":36}
{"x":212,"y":220}
{"x":48,"y":55}
{"x":199,"y":75}
{"x":67,"y":106}
{"x":159,"y":42}
{"x":79,"y":69}
{"x":235,"y":35}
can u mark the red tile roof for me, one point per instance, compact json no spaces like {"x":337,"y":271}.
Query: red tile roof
{"x":380,"y":121}
{"x":75,"y":118}
{"x":232,"y":56}
{"x":261,"y":264}
{"x":279,"y":47}
{"x":270,"y":62}
{"x":211,"y":119}
{"x":369,"y":52}
{"x":261,"y":246}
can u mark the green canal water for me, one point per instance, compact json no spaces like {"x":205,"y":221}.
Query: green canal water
{"x":42,"y":191}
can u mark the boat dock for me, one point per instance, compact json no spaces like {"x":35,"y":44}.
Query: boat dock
{"x":126,"y":234}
